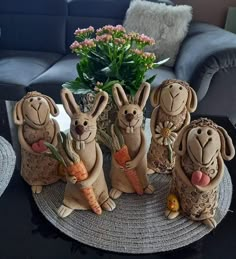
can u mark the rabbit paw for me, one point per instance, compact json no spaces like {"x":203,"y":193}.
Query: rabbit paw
{"x":171,"y":214}
{"x":131,"y":164}
{"x":109,"y":205}
{"x":114,"y":193}
{"x":72,"y":179}
{"x":149,"y":189}
{"x":36,"y":188}
{"x":64,"y":211}
{"x":210,"y":222}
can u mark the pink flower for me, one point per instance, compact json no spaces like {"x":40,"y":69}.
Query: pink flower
{"x":119,"y":41}
{"x":86,"y":44}
{"x":104,"y":38}
{"x":74,"y":45}
{"x":110,"y":29}
{"x":79,"y":31}
{"x":142,"y":39}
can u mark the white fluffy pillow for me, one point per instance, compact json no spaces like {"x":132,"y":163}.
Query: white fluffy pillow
{"x":167,"y":24}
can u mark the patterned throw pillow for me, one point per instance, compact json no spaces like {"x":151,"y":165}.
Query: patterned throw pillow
{"x":167,"y":24}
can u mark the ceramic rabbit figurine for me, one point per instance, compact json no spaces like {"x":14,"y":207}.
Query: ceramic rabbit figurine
{"x":173,"y":101}
{"x":32,"y":114}
{"x":200,"y":149}
{"x":129,"y":122}
{"x":83,"y":130}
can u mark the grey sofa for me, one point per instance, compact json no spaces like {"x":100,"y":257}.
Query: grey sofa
{"x":34,"y":51}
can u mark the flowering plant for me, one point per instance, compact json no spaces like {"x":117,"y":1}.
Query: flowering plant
{"x":110,"y":55}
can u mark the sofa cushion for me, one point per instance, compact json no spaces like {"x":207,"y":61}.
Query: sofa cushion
{"x":33,"y":25}
{"x":168,"y":25}
{"x":50,"y":81}
{"x":19,"y":68}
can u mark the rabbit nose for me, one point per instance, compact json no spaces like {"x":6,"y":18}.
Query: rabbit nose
{"x":129,"y":117}
{"x":79,"y":129}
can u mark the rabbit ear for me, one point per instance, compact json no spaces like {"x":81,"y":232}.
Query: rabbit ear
{"x":192,"y":100}
{"x":119,"y":95}
{"x":17,"y":113}
{"x":181,"y":141}
{"x":227,"y":147}
{"x":100,"y":103}
{"x":53,"y":107}
{"x":68,"y":102}
{"x":142,"y":94}
{"x":155,"y":96}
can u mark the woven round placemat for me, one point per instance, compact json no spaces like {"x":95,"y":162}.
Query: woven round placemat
{"x":7,"y":163}
{"x":137,"y":225}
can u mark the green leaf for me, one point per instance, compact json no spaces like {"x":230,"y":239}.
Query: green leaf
{"x":151,"y":79}
{"x":77,"y":87}
{"x":55,"y":152}
{"x":161,"y":62}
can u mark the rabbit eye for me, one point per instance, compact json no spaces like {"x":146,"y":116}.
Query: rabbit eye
{"x":209,"y":132}
{"x":76,"y":123}
{"x":199,"y":131}
{"x":134,"y":112}
{"x":85,"y":123}
{"x":126,"y":111}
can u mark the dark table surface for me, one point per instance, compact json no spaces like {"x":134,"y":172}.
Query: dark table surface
{"x":25,"y":233}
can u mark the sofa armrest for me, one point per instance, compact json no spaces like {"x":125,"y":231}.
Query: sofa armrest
{"x":206,"y":50}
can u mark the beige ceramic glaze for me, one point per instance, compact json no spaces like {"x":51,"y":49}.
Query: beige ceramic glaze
{"x":32,"y":114}
{"x":200,"y":147}
{"x":83,"y":130}
{"x":129,"y":121}
{"x":173,"y":101}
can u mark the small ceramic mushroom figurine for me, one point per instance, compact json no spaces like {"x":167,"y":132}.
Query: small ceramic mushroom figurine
{"x":32,"y":114}
{"x":200,"y":149}
{"x":173,"y":101}
{"x":83,"y":129}
{"x":129,"y":123}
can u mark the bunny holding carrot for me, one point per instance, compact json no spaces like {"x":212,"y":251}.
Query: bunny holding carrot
{"x":133,"y":152}
{"x":83,"y":131}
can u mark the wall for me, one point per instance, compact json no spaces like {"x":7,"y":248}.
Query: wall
{"x":211,"y":11}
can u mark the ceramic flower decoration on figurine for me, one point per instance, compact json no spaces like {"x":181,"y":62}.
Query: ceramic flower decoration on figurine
{"x":89,"y":191}
{"x":165,"y":134}
{"x":173,"y":101}
{"x":32,"y":114}
{"x":200,"y":149}
{"x":109,"y":55}
{"x":129,"y":161}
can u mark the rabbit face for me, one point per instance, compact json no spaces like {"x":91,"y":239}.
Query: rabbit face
{"x":130,"y":115}
{"x":83,"y":127}
{"x":173,"y":98}
{"x":34,"y":109}
{"x":203,"y":145}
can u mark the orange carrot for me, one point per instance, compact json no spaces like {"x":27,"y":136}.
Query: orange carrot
{"x":80,"y":172}
{"x":122,"y":156}
{"x":92,"y":201}
{"x":74,"y":166}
